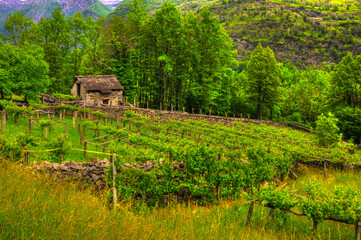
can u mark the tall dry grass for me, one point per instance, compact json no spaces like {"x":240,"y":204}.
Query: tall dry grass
{"x":34,"y":206}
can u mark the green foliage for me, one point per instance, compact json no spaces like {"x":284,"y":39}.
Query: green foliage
{"x":328,"y":132}
{"x":204,"y":177}
{"x":100,"y":114}
{"x":345,"y":84}
{"x":263,"y":79}
{"x":350,"y":123}
{"x":130,"y":113}
{"x":59,"y":147}
{"x":22,"y":71}
{"x":11,"y":148}
{"x":66,"y":107}
{"x":45,"y":122}
{"x":64,"y":97}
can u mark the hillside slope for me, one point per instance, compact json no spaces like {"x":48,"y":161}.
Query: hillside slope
{"x":305,"y":32}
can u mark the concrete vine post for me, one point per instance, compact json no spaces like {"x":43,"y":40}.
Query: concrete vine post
{"x":115,"y":198}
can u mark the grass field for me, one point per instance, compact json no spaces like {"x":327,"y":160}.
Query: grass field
{"x":35,"y":207}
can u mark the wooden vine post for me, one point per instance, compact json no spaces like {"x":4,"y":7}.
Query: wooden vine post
{"x":65,"y":128}
{"x":357,"y":231}
{"x":314,"y":228}
{"x":3,"y":121}
{"x":26,"y":158}
{"x":82,"y":136}
{"x":85,"y":147}
{"x":115,"y":198}
{"x":30,"y":123}
{"x":46,"y":132}
{"x":105,"y":143}
{"x":74,"y":118}
{"x":250,"y":212}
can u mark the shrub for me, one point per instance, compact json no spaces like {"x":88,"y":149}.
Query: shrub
{"x":327,"y":135}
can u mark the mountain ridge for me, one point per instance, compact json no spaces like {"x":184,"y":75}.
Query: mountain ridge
{"x":38,"y":9}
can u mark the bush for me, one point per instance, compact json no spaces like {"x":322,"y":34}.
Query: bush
{"x":327,"y":135}
{"x":350,"y":123}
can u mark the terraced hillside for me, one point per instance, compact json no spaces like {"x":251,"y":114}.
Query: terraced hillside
{"x":305,"y":32}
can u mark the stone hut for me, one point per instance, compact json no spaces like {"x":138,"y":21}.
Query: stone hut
{"x":98,"y":90}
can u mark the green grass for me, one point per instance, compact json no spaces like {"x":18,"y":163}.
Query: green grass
{"x":72,"y":133}
{"x":35,"y":207}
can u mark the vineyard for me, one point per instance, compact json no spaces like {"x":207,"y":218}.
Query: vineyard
{"x":192,"y":161}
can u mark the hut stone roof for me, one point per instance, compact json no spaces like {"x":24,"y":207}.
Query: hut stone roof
{"x":103,"y":83}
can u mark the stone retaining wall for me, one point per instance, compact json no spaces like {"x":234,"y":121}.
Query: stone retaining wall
{"x":92,"y":172}
{"x":116,"y":112}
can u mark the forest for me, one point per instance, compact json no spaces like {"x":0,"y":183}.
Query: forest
{"x":184,"y":59}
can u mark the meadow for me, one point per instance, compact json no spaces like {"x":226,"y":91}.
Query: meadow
{"x":36,"y":207}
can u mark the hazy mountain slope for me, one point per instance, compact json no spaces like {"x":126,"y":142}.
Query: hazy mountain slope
{"x":122,"y":9}
{"x":37,"y":9}
{"x":111,"y":3}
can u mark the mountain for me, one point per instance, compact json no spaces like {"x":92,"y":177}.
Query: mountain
{"x":151,"y":5}
{"x":37,"y":9}
{"x":111,"y":4}
{"x":305,"y":32}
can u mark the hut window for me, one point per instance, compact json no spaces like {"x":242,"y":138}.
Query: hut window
{"x":106,"y":101}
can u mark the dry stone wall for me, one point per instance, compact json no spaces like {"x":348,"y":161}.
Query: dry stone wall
{"x":116,"y":112}
{"x":93,"y":172}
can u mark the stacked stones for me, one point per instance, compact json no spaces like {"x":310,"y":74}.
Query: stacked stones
{"x":93,"y":171}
